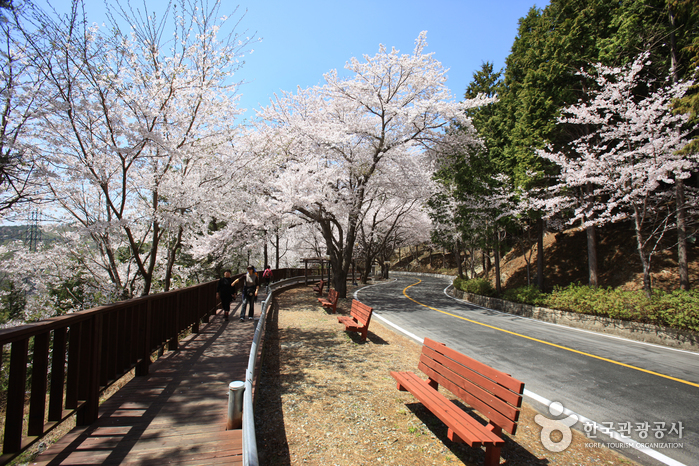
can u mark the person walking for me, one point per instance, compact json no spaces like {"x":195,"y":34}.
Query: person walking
{"x":267,"y":276}
{"x":225,"y":292}
{"x":251,"y":284}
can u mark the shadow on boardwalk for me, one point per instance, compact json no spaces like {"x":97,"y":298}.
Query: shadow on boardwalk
{"x":176,"y":414}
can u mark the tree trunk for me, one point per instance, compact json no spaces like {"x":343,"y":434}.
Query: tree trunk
{"x":682,"y":237}
{"x":641,"y":253}
{"x":679,"y":184}
{"x":592,"y":256}
{"x":540,"y":256}
{"x":472,"y":261}
{"x":171,"y":257}
{"x":498,"y":285}
{"x":276,"y":252}
{"x":365,"y":273}
{"x":457,"y":256}
{"x":265,"y":254}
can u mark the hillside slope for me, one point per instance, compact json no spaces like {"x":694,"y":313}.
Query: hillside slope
{"x":566,"y":262}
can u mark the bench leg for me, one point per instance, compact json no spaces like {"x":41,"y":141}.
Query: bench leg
{"x":492,"y":453}
{"x":492,"y":456}
{"x":364,"y":333}
{"x":451,"y":435}
{"x":433,"y":384}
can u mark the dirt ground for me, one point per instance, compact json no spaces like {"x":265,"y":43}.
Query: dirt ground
{"x":325,"y":398}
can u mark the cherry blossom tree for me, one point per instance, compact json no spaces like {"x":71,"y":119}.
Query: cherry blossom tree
{"x":329,"y":146}
{"x":20,"y":88}
{"x":138,"y":129}
{"x":621,"y":169}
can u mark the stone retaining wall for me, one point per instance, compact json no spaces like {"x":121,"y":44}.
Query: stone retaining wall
{"x":649,"y":333}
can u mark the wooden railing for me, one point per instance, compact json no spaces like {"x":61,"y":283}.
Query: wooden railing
{"x":64,"y":363}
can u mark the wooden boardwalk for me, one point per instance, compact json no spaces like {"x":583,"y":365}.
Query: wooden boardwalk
{"x":176,"y":414}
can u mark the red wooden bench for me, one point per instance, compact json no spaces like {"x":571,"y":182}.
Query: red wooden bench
{"x":358,"y":320}
{"x":331,"y":301}
{"x":318,"y":287}
{"x":494,"y":394}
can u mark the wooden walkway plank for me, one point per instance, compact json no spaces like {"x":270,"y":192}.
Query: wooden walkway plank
{"x":174,"y":415}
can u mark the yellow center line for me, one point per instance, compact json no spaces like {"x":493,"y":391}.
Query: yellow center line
{"x":547,"y":342}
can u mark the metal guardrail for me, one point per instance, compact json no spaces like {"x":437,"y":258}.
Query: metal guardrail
{"x":249,"y":438}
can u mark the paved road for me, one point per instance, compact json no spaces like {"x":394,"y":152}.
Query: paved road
{"x":605,"y":379}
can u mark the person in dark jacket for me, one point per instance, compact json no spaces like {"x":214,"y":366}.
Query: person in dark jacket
{"x":226,"y":292}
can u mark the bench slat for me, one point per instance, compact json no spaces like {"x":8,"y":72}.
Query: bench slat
{"x":358,"y":320}
{"x":500,"y":377}
{"x":331,"y":301}
{"x":503,"y":420}
{"x":480,"y":380}
{"x":475,"y":379}
{"x":467,"y":428}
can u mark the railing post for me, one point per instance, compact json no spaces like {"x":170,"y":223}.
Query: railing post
{"x":144,"y":364}
{"x":90,"y":411}
{"x":58,"y":371}
{"x":207,"y":303}
{"x":37,"y":402}
{"x":72,"y":381}
{"x":15,"y":391}
{"x":174,"y":342}
{"x":196,"y":313}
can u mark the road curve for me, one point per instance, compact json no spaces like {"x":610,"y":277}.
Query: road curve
{"x":609,"y":380}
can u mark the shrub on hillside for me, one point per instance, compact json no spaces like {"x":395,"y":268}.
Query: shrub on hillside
{"x":679,"y":309}
{"x":526,"y":294}
{"x":479,"y":286}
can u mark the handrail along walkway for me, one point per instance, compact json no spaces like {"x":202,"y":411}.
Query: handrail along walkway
{"x":250,"y":457}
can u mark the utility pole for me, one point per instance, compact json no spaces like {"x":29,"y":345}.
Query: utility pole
{"x":33,"y":235}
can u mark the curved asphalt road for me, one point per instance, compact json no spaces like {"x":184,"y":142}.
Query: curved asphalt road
{"x":601,"y":378}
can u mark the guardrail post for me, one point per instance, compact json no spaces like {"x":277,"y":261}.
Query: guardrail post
{"x":235,"y":405}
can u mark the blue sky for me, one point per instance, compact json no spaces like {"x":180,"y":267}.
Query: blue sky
{"x":302,"y":40}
